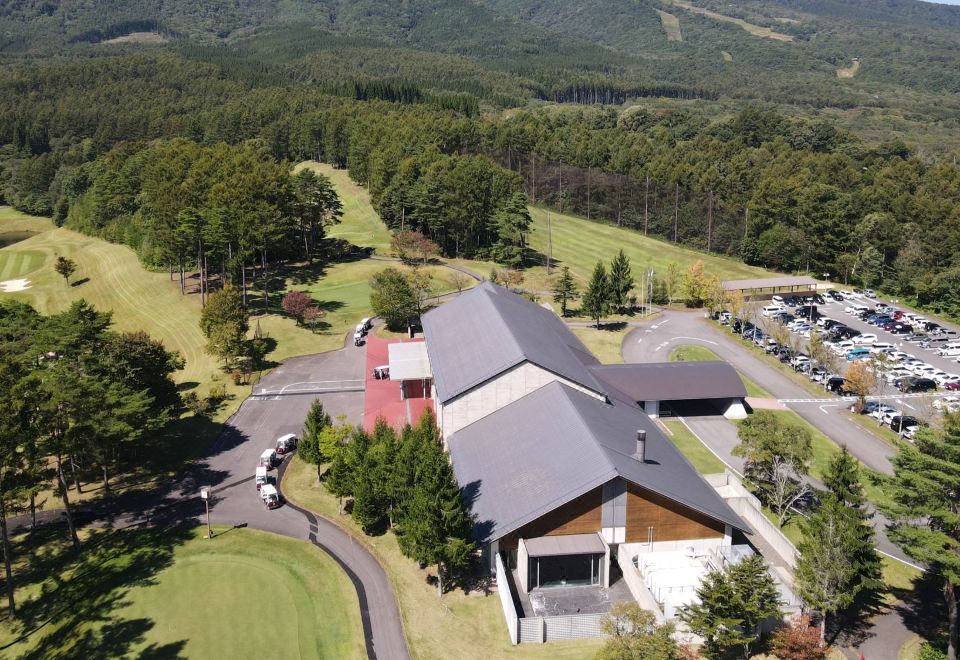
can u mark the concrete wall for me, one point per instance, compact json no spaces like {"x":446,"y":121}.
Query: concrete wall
{"x":484,"y":399}
{"x":735,"y":410}
{"x":523,"y":567}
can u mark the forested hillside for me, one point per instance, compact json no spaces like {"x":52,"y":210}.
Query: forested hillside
{"x":451,"y":112}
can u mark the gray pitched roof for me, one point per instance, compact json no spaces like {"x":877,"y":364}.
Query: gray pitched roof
{"x":488,"y":330}
{"x":673,"y":381}
{"x":555,"y":444}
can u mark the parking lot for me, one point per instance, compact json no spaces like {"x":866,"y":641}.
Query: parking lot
{"x":914,"y":381}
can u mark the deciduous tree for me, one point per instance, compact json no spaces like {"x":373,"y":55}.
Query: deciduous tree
{"x":777,"y":458}
{"x":393,"y":299}
{"x":634,"y":633}
{"x":65,"y":267}
{"x":224,"y":322}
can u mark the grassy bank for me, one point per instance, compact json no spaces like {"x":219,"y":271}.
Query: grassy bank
{"x":704,"y":460}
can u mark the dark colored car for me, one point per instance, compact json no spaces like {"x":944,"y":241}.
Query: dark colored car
{"x":903,"y":421}
{"x":835,"y":295}
{"x":836,"y":384}
{"x":911,"y":385}
{"x":899,"y":329}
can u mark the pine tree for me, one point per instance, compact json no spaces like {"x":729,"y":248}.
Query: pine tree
{"x":828,"y":570}
{"x":924,"y":490}
{"x":596,"y":299}
{"x":436,"y":526}
{"x":316,"y":422}
{"x":733,"y":604}
{"x":339,"y":479}
{"x":621,"y":280}
{"x":564,"y":289}
{"x":842,"y":479}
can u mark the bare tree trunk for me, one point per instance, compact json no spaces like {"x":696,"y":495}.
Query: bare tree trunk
{"x":7,"y":561}
{"x":676,"y":211}
{"x":106,"y":480}
{"x":62,"y":482}
{"x":182,"y":283}
{"x":263,"y":261}
{"x":73,"y":473}
{"x":823,"y":627}
{"x":33,"y":511}
{"x":588,"y":193}
{"x":243,"y":280}
{"x":646,"y":196}
{"x":953,"y":617}
{"x":439,"y":580}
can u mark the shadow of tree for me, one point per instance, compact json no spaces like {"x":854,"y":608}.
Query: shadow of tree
{"x":76,"y":610}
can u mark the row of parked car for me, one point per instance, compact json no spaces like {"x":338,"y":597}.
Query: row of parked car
{"x":905,"y":425}
{"x":269,"y":459}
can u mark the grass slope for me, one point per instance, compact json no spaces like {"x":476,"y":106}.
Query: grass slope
{"x":671,"y":25}
{"x":704,"y":460}
{"x":172,"y":593}
{"x":361,"y":225}
{"x":580,"y":243}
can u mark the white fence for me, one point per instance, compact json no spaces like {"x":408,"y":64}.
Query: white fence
{"x":506,"y":600}
{"x":540,"y":629}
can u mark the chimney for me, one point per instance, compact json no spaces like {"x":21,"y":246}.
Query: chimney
{"x":641,"y":454}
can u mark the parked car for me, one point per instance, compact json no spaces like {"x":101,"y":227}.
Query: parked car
{"x":866,"y":338}
{"x":858,"y":354}
{"x":835,"y":384}
{"x":909,"y":386}
{"x":900,"y":423}
{"x":883,"y":410}
{"x":870,"y":293}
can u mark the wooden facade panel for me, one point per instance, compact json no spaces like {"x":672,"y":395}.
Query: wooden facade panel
{"x":670,"y":521}
{"x":579,"y":516}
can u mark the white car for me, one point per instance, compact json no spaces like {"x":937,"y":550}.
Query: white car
{"x":883,"y":410}
{"x":944,"y":378}
{"x":894,"y":374}
{"x":926,"y":371}
{"x":847,"y":294}
{"x":777,"y":299}
{"x":866,"y":338}
{"x":948,"y":403}
{"x":899,"y":356}
{"x":843,"y":347}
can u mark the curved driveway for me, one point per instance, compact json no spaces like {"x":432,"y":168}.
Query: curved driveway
{"x":331,"y":377}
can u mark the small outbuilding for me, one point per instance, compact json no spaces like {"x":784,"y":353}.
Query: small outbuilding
{"x":764,"y":288}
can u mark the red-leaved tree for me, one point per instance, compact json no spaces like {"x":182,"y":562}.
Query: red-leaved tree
{"x":798,"y":640}
{"x":296,"y":303}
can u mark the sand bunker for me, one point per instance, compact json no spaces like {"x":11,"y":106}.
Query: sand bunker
{"x":12,"y":286}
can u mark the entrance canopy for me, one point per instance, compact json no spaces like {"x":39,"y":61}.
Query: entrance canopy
{"x":409,"y":361}
{"x":570,"y":544}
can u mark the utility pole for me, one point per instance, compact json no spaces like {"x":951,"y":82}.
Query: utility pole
{"x":746,"y":221}
{"x":709,"y":220}
{"x":533,"y":178}
{"x":549,"y":242}
{"x":205,"y":495}
{"x":560,"y":201}
{"x":676,"y":211}
{"x":646,"y":195}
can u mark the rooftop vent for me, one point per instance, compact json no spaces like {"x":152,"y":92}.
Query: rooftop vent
{"x":641,"y":453}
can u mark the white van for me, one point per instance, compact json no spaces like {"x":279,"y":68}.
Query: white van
{"x":881,"y":347}
{"x":268,"y":458}
{"x":770,"y":310}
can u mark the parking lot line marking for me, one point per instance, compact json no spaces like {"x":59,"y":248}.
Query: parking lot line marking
{"x":705,"y":341}
{"x":903,"y":403}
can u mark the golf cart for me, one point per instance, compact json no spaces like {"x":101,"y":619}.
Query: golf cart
{"x":270,"y":496}
{"x":261,"y":477}
{"x":268,"y":458}
{"x":286,"y":443}
{"x":382,"y":372}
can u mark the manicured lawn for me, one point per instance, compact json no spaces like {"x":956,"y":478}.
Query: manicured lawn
{"x":459,"y":625}
{"x":697,"y":353}
{"x":360,"y":225}
{"x":604,"y":342}
{"x":171,"y":593}
{"x":695,"y":451}
{"x":580,"y":243}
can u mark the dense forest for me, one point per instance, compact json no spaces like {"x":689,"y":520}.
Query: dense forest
{"x":411,"y":102}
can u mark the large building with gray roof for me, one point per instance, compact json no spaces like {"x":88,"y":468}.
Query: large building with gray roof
{"x":558,"y":460}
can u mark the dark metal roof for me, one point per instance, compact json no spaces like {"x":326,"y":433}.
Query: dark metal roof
{"x":557,"y":443}
{"x":769,"y":283}
{"x":673,"y":381}
{"x":567,"y":544}
{"x":487,"y":330}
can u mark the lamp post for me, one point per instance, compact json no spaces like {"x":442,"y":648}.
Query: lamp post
{"x":205,"y":496}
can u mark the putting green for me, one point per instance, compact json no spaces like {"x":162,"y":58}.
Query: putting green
{"x":250,"y":594}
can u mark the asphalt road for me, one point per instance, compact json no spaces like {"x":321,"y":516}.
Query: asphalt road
{"x":279,"y":405}
{"x":675,"y":328}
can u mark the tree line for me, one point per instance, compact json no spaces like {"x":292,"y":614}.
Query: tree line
{"x":77,"y":399}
